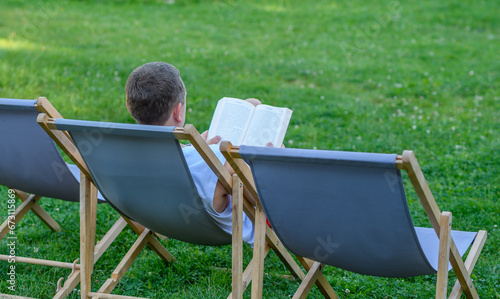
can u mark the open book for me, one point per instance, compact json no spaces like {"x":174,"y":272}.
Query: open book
{"x":241,"y":122}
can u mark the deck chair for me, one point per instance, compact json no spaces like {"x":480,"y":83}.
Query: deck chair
{"x":32,"y":167}
{"x":146,"y":178}
{"x":349,"y":210}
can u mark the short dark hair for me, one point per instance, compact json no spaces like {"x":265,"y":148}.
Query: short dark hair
{"x":152,"y":90}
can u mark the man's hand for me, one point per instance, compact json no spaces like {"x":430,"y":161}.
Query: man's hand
{"x":213,"y":140}
{"x":270,"y":144}
{"x":253,"y":101}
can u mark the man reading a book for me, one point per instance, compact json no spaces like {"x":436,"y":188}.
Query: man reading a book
{"x":156,"y":95}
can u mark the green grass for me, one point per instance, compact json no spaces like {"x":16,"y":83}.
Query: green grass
{"x":364,"y":76}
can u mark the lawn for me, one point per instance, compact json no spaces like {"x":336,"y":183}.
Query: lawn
{"x":377,"y":76}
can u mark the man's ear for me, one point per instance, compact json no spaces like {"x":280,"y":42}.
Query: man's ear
{"x":176,"y":112}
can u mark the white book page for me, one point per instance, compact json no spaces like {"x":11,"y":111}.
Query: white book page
{"x":230,"y":120}
{"x":269,"y":124}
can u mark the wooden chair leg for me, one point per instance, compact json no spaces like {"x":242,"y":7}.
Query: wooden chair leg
{"x":444,"y":255}
{"x":126,"y":262}
{"x":19,"y":213}
{"x":323,"y":285}
{"x":154,"y":244}
{"x":247,"y":274}
{"x":39,"y":211}
{"x":259,"y":253}
{"x":101,"y":246}
{"x":470,"y":262}
{"x":310,"y":279}
{"x":237,"y":239}
{"x":88,"y":211}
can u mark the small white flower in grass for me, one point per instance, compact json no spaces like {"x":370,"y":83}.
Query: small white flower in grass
{"x":322,"y":97}
{"x":398,"y":85}
{"x":149,"y":273}
{"x":434,"y":93}
{"x":414,"y":127}
{"x":290,"y":141}
{"x":35,"y":249}
{"x":453,"y":128}
{"x":358,"y":138}
{"x":471,"y":73}
{"x":296,"y":126}
{"x":428,"y":131}
{"x":347,"y":291}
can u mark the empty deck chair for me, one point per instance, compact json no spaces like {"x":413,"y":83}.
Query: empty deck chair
{"x":32,"y":167}
{"x":349,"y":210}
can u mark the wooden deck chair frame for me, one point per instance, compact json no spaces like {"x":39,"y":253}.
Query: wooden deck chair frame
{"x":30,"y":203}
{"x":242,"y":201}
{"x":441,"y":222}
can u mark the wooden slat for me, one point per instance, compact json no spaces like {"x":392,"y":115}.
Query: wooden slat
{"x":88,"y":210}
{"x":258,"y":252}
{"x":42,"y":262}
{"x":237,"y":238}
{"x":444,"y":255}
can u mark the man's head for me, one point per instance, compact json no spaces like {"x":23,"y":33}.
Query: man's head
{"x":156,"y":95}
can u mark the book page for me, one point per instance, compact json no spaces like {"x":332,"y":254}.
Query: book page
{"x":230,"y":120}
{"x":269,"y":124}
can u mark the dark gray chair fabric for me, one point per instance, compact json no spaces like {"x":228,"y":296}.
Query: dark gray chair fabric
{"x":344,"y":209}
{"x":29,"y":158}
{"x":142,"y":173}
